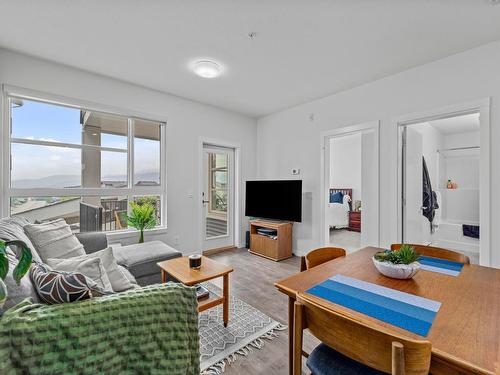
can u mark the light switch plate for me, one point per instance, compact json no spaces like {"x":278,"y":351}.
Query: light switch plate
{"x":177,"y":240}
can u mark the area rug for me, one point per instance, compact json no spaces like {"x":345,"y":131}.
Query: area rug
{"x":248,"y":329}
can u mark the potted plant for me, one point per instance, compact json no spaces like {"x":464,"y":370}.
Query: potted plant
{"x":19,"y":271}
{"x":142,"y":216}
{"x":398,"y":264}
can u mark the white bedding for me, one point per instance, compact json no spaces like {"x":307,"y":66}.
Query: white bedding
{"x":338,"y":214}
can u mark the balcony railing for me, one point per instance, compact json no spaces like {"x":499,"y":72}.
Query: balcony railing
{"x":111,"y":215}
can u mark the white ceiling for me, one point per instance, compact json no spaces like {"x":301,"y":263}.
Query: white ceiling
{"x":457,"y":124}
{"x":303,"y":49}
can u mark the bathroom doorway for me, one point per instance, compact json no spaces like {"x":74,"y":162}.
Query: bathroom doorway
{"x":442,"y":182}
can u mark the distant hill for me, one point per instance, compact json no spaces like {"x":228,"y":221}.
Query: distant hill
{"x":55,"y":181}
{"x":58,"y":181}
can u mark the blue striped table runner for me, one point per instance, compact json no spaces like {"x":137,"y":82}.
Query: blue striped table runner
{"x":403,"y":310}
{"x":446,"y":267}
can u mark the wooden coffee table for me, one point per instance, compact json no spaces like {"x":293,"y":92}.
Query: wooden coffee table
{"x":179,"y":269}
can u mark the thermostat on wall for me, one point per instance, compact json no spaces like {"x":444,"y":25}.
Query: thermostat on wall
{"x":295,"y":171}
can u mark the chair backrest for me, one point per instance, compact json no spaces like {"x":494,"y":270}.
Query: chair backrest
{"x":319,"y":256}
{"x":121,"y":219}
{"x":436,"y":252}
{"x":364,"y":342}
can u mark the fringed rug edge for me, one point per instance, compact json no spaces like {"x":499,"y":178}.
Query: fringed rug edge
{"x":255,"y":341}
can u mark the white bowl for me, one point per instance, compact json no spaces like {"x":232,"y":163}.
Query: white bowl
{"x":397,"y":271}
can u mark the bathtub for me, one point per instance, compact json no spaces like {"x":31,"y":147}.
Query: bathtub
{"x":449,"y":236}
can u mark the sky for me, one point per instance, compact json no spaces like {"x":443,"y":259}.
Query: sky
{"x":47,"y":122}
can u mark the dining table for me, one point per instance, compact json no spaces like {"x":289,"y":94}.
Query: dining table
{"x":465,"y":333}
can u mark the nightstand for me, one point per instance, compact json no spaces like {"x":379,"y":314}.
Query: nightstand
{"x":355,"y":221}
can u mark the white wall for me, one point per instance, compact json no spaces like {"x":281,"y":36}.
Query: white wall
{"x":466,"y":139}
{"x":290,"y":139}
{"x":432,"y":140}
{"x":187,"y":121}
{"x":345,"y":163}
{"x":462,"y":167}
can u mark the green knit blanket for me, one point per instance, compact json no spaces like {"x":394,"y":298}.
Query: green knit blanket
{"x":150,"y":330}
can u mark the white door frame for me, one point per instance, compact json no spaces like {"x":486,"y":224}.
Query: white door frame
{"x":203,"y":141}
{"x":324,"y":183}
{"x":483,"y":107}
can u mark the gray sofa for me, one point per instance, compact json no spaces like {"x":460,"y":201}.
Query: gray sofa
{"x":139,"y":259}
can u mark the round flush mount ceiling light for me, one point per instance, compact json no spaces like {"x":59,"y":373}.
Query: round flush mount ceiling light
{"x":207,"y":68}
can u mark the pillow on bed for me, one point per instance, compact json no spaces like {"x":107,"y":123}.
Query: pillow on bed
{"x":337,"y":197}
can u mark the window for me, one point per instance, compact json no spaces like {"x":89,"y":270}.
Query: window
{"x":82,"y":165}
{"x":217,"y":172}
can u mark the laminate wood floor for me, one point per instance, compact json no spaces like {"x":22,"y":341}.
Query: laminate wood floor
{"x":253,"y":282}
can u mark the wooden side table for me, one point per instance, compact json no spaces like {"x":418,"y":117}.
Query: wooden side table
{"x":355,"y":221}
{"x":179,"y":269}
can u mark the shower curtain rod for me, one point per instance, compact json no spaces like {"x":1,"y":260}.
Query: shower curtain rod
{"x":459,"y":148}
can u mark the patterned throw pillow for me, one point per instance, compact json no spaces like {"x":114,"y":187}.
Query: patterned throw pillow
{"x":59,"y":287}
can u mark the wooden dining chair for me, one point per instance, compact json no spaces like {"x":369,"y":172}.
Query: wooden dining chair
{"x":436,"y":252}
{"x":352,"y":346}
{"x":319,"y":256}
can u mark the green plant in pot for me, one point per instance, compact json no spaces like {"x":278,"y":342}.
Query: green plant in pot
{"x":19,"y":271}
{"x":142,"y":217}
{"x":398,"y":264}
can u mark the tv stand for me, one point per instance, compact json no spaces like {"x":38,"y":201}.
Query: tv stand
{"x":275,"y":249}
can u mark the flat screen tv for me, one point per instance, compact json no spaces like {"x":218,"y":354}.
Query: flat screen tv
{"x":274,"y":199}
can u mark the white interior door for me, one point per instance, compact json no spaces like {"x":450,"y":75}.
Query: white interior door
{"x":218,"y":197}
{"x":412,"y":186}
{"x":370,"y":188}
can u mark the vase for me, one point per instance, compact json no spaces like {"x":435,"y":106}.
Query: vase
{"x":397,"y":271}
{"x":3,"y":293}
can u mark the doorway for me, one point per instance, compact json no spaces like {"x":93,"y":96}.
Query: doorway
{"x":350,"y":204}
{"x":443,"y":174}
{"x":218,"y":197}
{"x":441,"y":161}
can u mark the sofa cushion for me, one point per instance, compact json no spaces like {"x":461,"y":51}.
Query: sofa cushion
{"x":326,"y":361}
{"x":141,"y":259}
{"x":129,"y":276}
{"x":59,"y":287}
{"x":119,"y":282}
{"x":54,"y":239}
{"x":92,"y":268}
{"x":11,"y":228}
{"x":92,"y":241}
{"x":17,"y":293}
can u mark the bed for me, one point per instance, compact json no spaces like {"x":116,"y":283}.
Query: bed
{"x":338,"y":213}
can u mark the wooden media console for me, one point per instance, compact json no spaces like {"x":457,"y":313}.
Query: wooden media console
{"x":275,"y":249}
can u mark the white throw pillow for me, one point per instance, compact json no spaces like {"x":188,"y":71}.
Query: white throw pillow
{"x":54,"y":239}
{"x":91,"y":267}
{"x":119,"y":281}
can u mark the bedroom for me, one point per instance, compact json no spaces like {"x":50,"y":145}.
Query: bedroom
{"x":351,"y":206}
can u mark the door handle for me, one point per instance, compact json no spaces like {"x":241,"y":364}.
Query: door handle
{"x":204,"y":201}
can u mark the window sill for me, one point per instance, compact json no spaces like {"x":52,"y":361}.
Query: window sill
{"x":118,"y":235}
